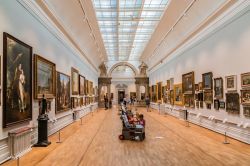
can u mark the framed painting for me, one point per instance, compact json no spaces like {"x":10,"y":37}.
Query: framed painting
{"x":245,"y":80}
{"x":188,"y":83}
{"x":172,"y":97}
{"x":207,"y":80}
{"x":246,"y":111}
{"x":231,"y":83}
{"x":178,"y":97}
{"x":189,"y":100}
{"x":200,"y":96}
{"x":216,"y":104}
{"x":168,"y":84}
{"x":218,"y":88}
{"x":86,"y":87}
{"x":197,"y":104}
{"x":171,"y":87}
{"x":245,"y":97}
{"x":44,"y":78}
{"x":233,"y":103}
{"x":222,"y":105}
{"x":159,"y":94}
{"x":74,"y":81}
{"x":81,"y":85}
{"x":17,"y":81}
{"x":196,"y":87}
{"x":62,"y":92}
{"x":208,"y":96}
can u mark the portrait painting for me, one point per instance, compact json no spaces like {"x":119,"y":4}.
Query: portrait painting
{"x":159,"y":94}
{"x":207,"y":80}
{"x":168,"y":84}
{"x":216,"y":104}
{"x":45,"y":78}
{"x":245,"y":97}
{"x":17,"y":81}
{"x":62,"y":92}
{"x":188,"y":83}
{"x":74,"y":81}
{"x":222,"y":105}
{"x":81,"y":85}
{"x":246,"y":111}
{"x":233,"y":103}
{"x":178,"y":97}
{"x":208,"y":96}
{"x":245,"y":80}
{"x":231,"y":83}
{"x":218,"y":88}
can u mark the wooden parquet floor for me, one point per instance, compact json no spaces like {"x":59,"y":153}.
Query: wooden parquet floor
{"x":168,"y":142}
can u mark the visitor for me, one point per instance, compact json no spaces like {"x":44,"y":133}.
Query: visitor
{"x":147,"y":103}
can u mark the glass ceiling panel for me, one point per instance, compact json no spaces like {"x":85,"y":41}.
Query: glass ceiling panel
{"x":127,"y":25}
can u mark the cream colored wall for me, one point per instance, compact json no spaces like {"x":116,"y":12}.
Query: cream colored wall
{"x":15,"y":20}
{"x":224,"y":52}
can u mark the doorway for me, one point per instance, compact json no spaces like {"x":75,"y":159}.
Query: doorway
{"x":121,"y":95}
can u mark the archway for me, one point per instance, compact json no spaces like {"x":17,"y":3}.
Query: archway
{"x":123,"y":64}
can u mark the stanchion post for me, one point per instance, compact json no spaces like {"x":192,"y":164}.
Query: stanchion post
{"x":81,"y":120}
{"x":225,"y":139}
{"x":59,"y":137}
{"x":18,"y":161}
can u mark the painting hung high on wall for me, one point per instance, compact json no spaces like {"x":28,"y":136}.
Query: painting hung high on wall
{"x":231,"y":83}
{"x":245,"y":80}
{"x":62,"y":92}
{"x":74,"y":81}
{"x":45,"y":78}
{"x":159,"y":86}
{"x":245,"y":97}
{"x":233,"y":103}
{"x":188,"y":83}
{"x":81,"y":85}
{"x":178,"y":97}
{"x":218,"y":88}
{"x":17,"y":81}
{"x":207,"y":80}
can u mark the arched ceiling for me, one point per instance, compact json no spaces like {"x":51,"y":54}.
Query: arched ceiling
{"x":113,"y":31}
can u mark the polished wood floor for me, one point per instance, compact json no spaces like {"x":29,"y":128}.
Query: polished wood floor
{"x":168,"y":142}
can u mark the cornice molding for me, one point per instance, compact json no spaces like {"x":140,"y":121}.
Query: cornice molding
{"x":212,"y":28}
{"x":34,"y":9}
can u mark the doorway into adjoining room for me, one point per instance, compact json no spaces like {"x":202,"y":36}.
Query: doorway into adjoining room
{"x":121,"y":95}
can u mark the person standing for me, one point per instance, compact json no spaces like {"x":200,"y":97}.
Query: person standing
{"x":147,"y":103}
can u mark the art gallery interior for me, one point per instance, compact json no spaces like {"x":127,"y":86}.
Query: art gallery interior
{"x":181,"y":66}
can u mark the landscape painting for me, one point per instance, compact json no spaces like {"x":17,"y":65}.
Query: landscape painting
{"x":62,"y":92}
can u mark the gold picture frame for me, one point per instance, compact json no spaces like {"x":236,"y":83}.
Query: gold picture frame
{"x":188,"y":85}
{"x":178,"y":96}
{"x":44,"y":78}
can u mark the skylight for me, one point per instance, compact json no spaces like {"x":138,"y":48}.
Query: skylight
{"x":127,"y":25}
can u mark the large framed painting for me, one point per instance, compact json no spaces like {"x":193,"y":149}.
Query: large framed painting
{"x":86,"y":87}
{"x":62,"y":92}
{"x":45,"y":78}
{"x":231,"y":83}
{"x":208,"y":96}
{"x":81,"y":85}
{"x":178,"y":97}
{"x":245,"y":97}
{"x":218,"y":88}
{"x":74,"y":81}
{"x":17,"y":81}
{"x":188,"y":83}
{"x":233,"y":103}
{"x":245,"y":80}
{"x":207,"y":80}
